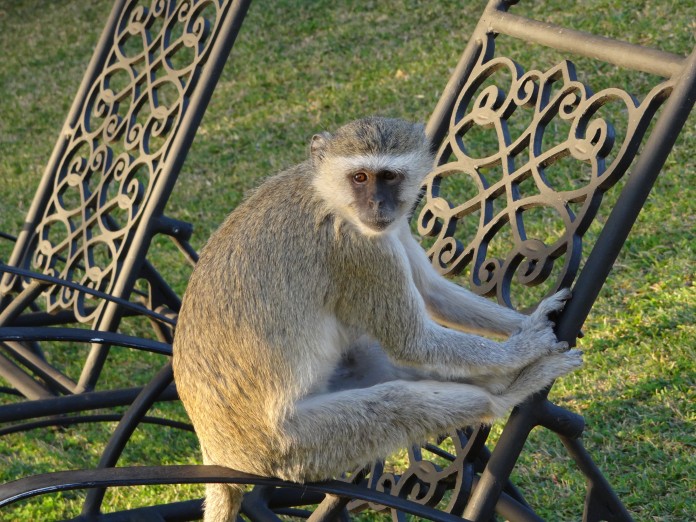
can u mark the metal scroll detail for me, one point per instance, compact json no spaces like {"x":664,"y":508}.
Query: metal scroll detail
{"x":510,"y":200}
{"x":116,"y":147}
{"x":530,"y":192}
{"x":435,"y":477}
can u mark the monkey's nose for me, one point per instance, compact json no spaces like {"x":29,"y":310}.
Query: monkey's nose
{"x":375,"y":204}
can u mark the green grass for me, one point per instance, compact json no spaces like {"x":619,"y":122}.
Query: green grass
{"x":301,"y":67}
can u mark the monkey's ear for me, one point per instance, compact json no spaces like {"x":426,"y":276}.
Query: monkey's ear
{"x":316,"y":146}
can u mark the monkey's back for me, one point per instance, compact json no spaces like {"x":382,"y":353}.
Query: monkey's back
{"x":257,"y":289}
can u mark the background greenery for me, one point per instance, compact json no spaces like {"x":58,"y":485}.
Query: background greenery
{"x":300,"y":67}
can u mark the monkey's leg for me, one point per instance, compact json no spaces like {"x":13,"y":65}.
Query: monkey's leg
{"x":222,"y":501}
{"x":330,"y":433}
{"x":365,"y":364}
{"x":333,"y":432}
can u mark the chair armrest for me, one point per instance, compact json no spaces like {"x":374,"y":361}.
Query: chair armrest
{"x":193,"y":474}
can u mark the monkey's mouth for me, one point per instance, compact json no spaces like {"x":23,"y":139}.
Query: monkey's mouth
{"x":378,"y":223}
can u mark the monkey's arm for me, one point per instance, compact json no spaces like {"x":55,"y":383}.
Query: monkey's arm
{"x":386,"y":304}
{"x":412,"y":338}
{"x":451,"y":305}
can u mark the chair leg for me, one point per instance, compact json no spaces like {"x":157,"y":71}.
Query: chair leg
{"x":485,"y":495}
{"x":255,"y":505}
{"x":22,"y":381}
{"x":601,"y":503}
{"x":124,"y":430}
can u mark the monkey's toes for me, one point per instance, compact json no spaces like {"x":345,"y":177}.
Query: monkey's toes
{"x":560,"y":347}
{"x":571,"y":361}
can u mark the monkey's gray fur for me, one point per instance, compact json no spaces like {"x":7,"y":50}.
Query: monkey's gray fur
{"x":315,"y":336}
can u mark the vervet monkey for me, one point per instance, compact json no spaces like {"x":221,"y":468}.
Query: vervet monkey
{"x":312,"y":280}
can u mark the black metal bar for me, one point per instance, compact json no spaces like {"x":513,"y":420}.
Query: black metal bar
{"x":10,"y":391}
{"x":289,"y":498}
{"x":438,"y":123}
{"x":75,"y":403}
{"x":86,"y":419}
{"x":65,"y":317}
{"x":332,"y":509}
{"x":512,"y":509}
{"x":28,"y":487}
{"x":255,"y":505}
{"x":46,"y":333}
{"x":631,"y":200}
{"x":294,"y":512}
{"x":160,"y":286}
{"x":21,"y":381}
{"x":182,"y":230}
{"x":486,"y":493}
{"x":620,"y":53}
{"x":560,"y":420}
{"x":21,"y":301}
{"x":164,"y":335}
{"x":186,"y":250}
{"x":175,"y":512}
{"x":125,"y":429}
{"x":139,"y":309}
{"x":59,"y":381}
{"x":45,"y":319}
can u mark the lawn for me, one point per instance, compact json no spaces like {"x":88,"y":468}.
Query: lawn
{"x":302,"y":67}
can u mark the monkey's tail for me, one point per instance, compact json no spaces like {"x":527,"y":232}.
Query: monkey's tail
{"x":222,"y":502}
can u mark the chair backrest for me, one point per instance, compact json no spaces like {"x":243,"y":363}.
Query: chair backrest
{"x":525,"y":160}
{"x":525,"y":164}
{"x":103,"y":192}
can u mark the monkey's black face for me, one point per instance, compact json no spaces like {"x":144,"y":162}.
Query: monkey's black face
{"x":376,"y":197}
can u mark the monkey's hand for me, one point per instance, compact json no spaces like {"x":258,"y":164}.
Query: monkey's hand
{"x":536,"y":337}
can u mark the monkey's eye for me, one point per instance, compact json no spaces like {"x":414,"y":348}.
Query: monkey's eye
{"x":360,"y":177}
{"x":389,"y":175}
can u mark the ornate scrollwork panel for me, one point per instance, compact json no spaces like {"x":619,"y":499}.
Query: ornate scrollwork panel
{"x":517,"y":183}
{"x":512,"y":196}
{"x":435,"y":477}
{"x":117,"y":147}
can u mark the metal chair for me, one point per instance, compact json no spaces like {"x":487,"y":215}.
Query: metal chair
{"x":496,"y":186}
{"x":81,"y":258}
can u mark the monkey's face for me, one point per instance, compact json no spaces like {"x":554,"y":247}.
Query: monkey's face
{"x":370,"y":171}
{"x":376,"y":197}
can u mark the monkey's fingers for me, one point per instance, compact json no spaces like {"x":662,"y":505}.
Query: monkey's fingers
{"x":550,"y":307}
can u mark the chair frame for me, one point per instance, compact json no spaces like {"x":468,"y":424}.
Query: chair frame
{"x":479,"y":480}
{"x":94,"y":119}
